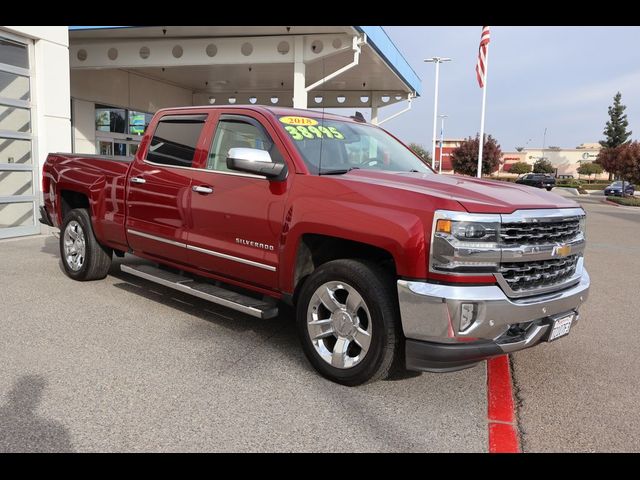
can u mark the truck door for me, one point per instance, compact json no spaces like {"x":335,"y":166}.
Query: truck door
{"x":159,"y":188}
{"x":237,"y":217}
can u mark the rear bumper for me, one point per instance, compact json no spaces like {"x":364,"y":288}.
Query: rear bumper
{"x":431,"y":322}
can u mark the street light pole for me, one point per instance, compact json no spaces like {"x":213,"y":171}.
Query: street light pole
{"x":437,"y":61}
{"x":442,"y":117}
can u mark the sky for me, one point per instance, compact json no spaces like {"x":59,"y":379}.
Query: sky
{"x":558,"y":78}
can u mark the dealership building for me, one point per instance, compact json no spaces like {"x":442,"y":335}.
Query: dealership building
{"x":94,"y":89}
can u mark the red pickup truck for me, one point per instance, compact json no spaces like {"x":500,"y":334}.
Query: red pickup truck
{"x":388,"y":264}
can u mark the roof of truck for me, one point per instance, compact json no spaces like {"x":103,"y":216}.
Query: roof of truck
{"x":277,"y":111}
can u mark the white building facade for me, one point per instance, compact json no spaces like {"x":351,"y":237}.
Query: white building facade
{"x":35,"y":118}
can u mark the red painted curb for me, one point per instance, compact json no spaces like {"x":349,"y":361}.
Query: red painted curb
{"x":503,"y":437}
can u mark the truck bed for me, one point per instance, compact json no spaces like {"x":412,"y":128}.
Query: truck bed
{"x":102,"y":179}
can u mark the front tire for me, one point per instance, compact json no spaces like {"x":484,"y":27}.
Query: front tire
{"x":82,"y":256}
{"x":348,"y":322}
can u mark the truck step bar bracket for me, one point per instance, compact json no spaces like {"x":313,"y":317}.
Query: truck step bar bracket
{"x":206,"y":291}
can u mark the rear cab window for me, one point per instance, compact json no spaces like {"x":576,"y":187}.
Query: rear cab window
{"x":175,"y":140}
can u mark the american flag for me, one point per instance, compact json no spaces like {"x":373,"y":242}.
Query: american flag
{"x":482,"y":56}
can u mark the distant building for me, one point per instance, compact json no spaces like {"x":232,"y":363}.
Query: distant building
{"x":565,"y":160}
{"x":448,"y":146}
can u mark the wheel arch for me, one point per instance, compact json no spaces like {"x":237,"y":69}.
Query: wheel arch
{"x":316,"y":249}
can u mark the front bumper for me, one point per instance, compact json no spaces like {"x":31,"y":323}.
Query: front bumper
{"x":431,"y":321}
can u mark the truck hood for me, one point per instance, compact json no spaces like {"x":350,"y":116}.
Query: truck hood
{"x":475,"y":195}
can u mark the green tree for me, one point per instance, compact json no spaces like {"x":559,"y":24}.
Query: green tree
{"x":520,"y":167}
{"x":465,"y":158}
{"x":589,"y":169}
{"x":616,"y":134}
{"x":421,"y":152}
{"x":615,"y":131}
{"x":543,"y":165}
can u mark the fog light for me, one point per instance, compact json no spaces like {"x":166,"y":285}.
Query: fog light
{"x":467,"y":315}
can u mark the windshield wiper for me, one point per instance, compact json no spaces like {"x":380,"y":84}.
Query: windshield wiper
{"x":338,"y":171}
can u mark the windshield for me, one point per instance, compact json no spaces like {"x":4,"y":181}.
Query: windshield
{"x":333,"y":146}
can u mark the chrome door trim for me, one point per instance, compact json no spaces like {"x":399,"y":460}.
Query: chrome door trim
{"x":238,"y":174}
{"x":232,"y":258}
{"x":202,"y":250}
{"x":157,"y":239}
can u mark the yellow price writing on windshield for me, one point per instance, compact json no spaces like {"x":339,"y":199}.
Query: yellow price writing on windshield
{"x":311,"y":132}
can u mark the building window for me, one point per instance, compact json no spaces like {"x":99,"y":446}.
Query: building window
{"x":138,"y":122}
{"x":119,"y":130}
{"x":121,"y":120}
{"x":109,"y":119}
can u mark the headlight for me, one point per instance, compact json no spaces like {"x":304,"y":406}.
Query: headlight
{"x":465,"y":243}
{"x":583,"y":225}
{"x":469,"y":231}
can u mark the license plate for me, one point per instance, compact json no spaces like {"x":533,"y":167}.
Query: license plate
{"x":560,"y":327}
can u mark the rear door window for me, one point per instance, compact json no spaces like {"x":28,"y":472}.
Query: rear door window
{"x":175,"y":140}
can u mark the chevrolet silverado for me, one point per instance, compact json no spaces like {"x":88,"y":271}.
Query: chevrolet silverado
{"x":388,"y":264}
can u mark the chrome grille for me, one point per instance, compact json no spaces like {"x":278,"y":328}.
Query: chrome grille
{"x":539,"y":233}
{"x":532,"y":275}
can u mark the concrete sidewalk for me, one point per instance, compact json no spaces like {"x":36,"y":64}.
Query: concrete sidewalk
{"x":126,"y":365}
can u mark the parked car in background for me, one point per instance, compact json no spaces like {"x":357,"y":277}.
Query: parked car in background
{"x":565,"y":177}
{"x":616,"y":188}
{"x":539,"y":180}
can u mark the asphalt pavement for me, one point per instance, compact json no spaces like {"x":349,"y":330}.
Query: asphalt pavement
{"x":582,"y":393}
{"x":123,"y":364}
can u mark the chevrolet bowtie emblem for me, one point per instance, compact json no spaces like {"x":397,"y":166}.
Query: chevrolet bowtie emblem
{"x":561,"y":251}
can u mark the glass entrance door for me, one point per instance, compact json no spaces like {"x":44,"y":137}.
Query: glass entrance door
{"x":17,"y":172}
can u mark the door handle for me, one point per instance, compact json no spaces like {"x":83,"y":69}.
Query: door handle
{"x":137,"y":180}
{"x":202,"y":189}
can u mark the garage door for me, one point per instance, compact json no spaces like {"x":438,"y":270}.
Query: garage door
{"x":17,"y":182}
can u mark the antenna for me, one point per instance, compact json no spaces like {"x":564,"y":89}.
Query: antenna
{"x":322,"y":125}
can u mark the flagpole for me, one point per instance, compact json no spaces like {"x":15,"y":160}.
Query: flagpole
{"x":484,"y":99}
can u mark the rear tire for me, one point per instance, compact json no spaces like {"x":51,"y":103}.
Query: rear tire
{"x":357,"y":338}
{"x":82,"y":255}
{"x":549,"y":189}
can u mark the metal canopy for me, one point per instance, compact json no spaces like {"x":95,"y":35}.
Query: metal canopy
{"x":305,"y":67}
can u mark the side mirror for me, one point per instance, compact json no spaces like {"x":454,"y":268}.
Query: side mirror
{"x":253,"y":160}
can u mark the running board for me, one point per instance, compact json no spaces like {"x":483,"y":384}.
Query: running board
{"x":207,"y":291}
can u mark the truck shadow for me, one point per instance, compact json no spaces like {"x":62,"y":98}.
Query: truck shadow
{"x":283,"y":326}
{"x":22,"y":429}
{"x":51,"y":246}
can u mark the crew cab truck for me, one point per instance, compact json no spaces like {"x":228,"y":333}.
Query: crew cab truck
{"x":388,"y":264}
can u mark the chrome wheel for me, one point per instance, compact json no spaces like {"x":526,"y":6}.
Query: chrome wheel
{"x":74,"y":246}
{"x":339,"y":324}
